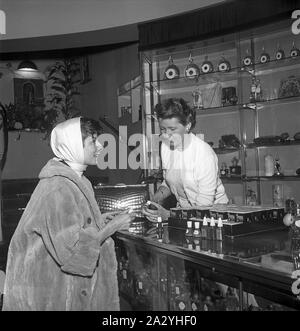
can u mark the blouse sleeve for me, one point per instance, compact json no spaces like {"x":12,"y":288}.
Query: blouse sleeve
{"x":75,"y":247}
{"x":206,"y":174}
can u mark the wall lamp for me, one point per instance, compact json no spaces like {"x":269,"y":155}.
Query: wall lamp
{"x":27,"y":65}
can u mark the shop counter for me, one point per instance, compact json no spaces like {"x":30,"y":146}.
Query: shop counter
{"x":164,"y":269}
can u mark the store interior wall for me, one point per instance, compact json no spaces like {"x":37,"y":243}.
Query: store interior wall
{"x":29,"y":151}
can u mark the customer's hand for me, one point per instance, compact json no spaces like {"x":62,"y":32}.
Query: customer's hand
{"x":152,"y":215}
{"x":119,"y":222}
{"x":109,"y":216}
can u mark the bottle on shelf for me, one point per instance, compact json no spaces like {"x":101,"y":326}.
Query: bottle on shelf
{"x":258,"y":91}
{"x":189,"y":229}
{"x":197,"y":232}
{"x":204,"y":228}
{"x":277,"y":168}
{"x":253,"y":89}
{"x":160,"y":228}
{"x":269,"y":165}
{"x":220,"y":230}
{"x":211,"y":229}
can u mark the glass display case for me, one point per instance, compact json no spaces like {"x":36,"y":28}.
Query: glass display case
{"x":245,"y":89}
{"x":171,"y":271}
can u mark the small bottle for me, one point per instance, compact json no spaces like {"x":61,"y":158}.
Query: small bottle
{"x":211,"y":233}
{"x":160,"y":229}
{"x":293,"y":207}
{"x":189,"y":229}
{"x":219,"y":230}
{"x":197,"y":232}
{"x":258,"y":92}
{"x":253,"y":90}
{"x":204,"y":228}
{"x":197,"y":244}
{"x":269,"y":165}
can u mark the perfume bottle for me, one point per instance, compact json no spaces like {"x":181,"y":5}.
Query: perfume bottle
{"x":258,"y":91}
{"x":189,"y":229}
{"x":160,"y":228}
{"x":223,"y":169}
{"x":277,"y":168}
{"x":269,"y":165}
{"x":220,"y":230}
{"x":204,"y":228}
{"x":235,"y":169}
{"x":197,"y":232}
{"x":253,"y":90}
{"x":197,"y":99}
{"x":211,"y":233}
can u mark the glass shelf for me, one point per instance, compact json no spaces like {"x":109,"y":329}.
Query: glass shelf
{"x":265,"y":103}
{"x":288,"y":63}
{"x":231,"y":180}
{"x":26,"y":130}
{"x":225,"y":150}
{"x":213,"y":76}
{"x":288,"y":143}
{"x":217,"y":110}
{"x":271,"y":178}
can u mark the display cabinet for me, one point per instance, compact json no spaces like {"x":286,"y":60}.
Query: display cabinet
{"x":245,"y":89}
{"x":174,"y":272}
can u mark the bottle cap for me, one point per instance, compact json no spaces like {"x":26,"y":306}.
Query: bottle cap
{"x":220,"y":222}
{"x":212,"y":222}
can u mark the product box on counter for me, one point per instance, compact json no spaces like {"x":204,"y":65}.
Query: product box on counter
{"x":237,"y":220}
{"x":187,"y":213}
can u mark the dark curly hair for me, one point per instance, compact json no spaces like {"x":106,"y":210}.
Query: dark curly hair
{"x":178,"y":108}
{"x":89,"y":127}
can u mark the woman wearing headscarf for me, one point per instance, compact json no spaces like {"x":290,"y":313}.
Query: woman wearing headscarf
{"x":62,"y":256}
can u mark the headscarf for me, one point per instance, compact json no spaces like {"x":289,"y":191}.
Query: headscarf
{"x":66,"y":144}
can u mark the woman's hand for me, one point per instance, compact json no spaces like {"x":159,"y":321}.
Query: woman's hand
{"x":109,"y":216}
{"x":152,"y":215}
{"x":120,"y":222}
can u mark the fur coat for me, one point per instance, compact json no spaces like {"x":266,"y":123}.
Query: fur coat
{"x":53,"y":262}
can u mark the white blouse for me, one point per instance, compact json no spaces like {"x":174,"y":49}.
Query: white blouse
{"x":192,"y":174}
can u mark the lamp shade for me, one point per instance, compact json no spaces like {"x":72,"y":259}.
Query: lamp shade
{"x":27,"y":65}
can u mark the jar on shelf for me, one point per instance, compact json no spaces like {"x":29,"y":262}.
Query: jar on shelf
{"x":269,"y":165}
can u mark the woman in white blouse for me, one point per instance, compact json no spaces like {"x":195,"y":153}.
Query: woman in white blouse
{"x":190,"y":165}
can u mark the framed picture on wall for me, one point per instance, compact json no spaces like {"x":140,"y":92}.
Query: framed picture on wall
{"x":29,"y":104}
